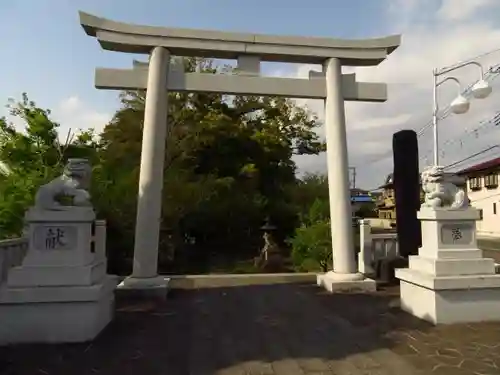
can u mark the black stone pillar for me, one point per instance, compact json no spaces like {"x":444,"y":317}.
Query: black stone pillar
{"x":407,"y":191}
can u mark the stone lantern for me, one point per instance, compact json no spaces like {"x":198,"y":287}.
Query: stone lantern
{"x":268,"y":227}
{"x":270,"y":258}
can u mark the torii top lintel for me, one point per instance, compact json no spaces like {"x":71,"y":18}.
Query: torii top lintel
{"x":124,"y":37}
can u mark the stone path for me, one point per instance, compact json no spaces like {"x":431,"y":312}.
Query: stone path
{"x":278,"y":329}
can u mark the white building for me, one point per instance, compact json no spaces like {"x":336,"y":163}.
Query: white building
{"x":484,"y":194}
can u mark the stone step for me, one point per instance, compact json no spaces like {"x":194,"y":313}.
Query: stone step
{"x":452,"y":267}
{"x":433,"y":282}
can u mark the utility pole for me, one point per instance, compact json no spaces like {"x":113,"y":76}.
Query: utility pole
{"x":353,"y":172}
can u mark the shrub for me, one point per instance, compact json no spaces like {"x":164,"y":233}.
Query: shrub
{"x":312,"y":247}
{"x":319,"y":211}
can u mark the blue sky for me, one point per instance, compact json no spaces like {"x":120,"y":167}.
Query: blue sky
{"x":50,"y":57}
{"x":47,"y":54}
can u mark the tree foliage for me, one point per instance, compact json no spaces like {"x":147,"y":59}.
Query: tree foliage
{"x":312,"y":247}
{"x":30,"y":158}
{"x":312,"y":242}
{"x":228,"y":165}
{"x":367,"y":210}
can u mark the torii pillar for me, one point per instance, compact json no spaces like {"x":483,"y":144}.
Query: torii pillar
{"x":160,"y":77}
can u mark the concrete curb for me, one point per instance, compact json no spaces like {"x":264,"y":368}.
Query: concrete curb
{"x":228,"y":280}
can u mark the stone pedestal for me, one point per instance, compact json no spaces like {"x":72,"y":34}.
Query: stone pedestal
{"x":148,"y":287}
{"x":449,"y":281}
{"x":348,"y":282}
{"x":60,"y":292}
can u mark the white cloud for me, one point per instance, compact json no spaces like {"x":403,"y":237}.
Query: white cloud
{"x":69,"y":105}
{"x":378,"y":122}
{"x":457,"y":10}
{"x":74,"y":115}
{"x":434,"y":35}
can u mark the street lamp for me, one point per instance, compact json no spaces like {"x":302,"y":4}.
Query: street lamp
{"x":480,"y":90}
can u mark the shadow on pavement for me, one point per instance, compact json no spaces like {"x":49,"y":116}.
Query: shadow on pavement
{"x":277,"y":329}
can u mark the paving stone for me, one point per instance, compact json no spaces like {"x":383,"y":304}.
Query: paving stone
{"x":287,"y":367}
{"x":272,"y":330}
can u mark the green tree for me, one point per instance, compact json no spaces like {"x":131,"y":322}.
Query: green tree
{"x":228,"y":165}
{"x":312,"y":247}
{"x":311,"y":243}
{"x":367,"y":210}
{"x":307,"y":190}
{"x":30,"y":158}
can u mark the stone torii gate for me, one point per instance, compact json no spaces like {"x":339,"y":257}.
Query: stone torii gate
{"x":161,"y":77}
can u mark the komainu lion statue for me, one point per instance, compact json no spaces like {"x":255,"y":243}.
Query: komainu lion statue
{"x":73,"y":183}
{"x":443,"y":190}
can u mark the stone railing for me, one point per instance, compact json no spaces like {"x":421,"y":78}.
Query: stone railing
{"x":12,"y":252}
{"x":99,"y":239}
{"x":374,"y":246}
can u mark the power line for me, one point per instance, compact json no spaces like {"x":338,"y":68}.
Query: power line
{"x":467,"y":92}
{"x":490,"y":73}
{"x":484,"y":127}
{"x":482,"y":199}
{"x":446,"y":113}
{"x":461,"y":160}
{"x":468,"y":88}
{"x":492,"y":124}
{"x":484,"y":158}
{"x":470,"y":157}
{"x":472,"y":58}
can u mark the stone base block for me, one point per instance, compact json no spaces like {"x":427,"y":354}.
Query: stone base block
{"x":334,"y":282}
{"x":151,"y":287}
{"x":449,"y":300}
{"x":55,"y":314}
{"x":459,"y":254}
{"x":452,"y":267}
{"x":31,"y":276}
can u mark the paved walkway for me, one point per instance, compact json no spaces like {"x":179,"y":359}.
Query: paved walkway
{"x":279,"y":329}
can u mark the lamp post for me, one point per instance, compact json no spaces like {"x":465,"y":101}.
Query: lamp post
{"x":480,"y":90}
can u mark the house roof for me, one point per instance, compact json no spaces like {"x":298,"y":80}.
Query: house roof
{"x":389,"y":181}
{"x":493,"y":163}
{"x":356,"y":192}
{"x":361,"y":199}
